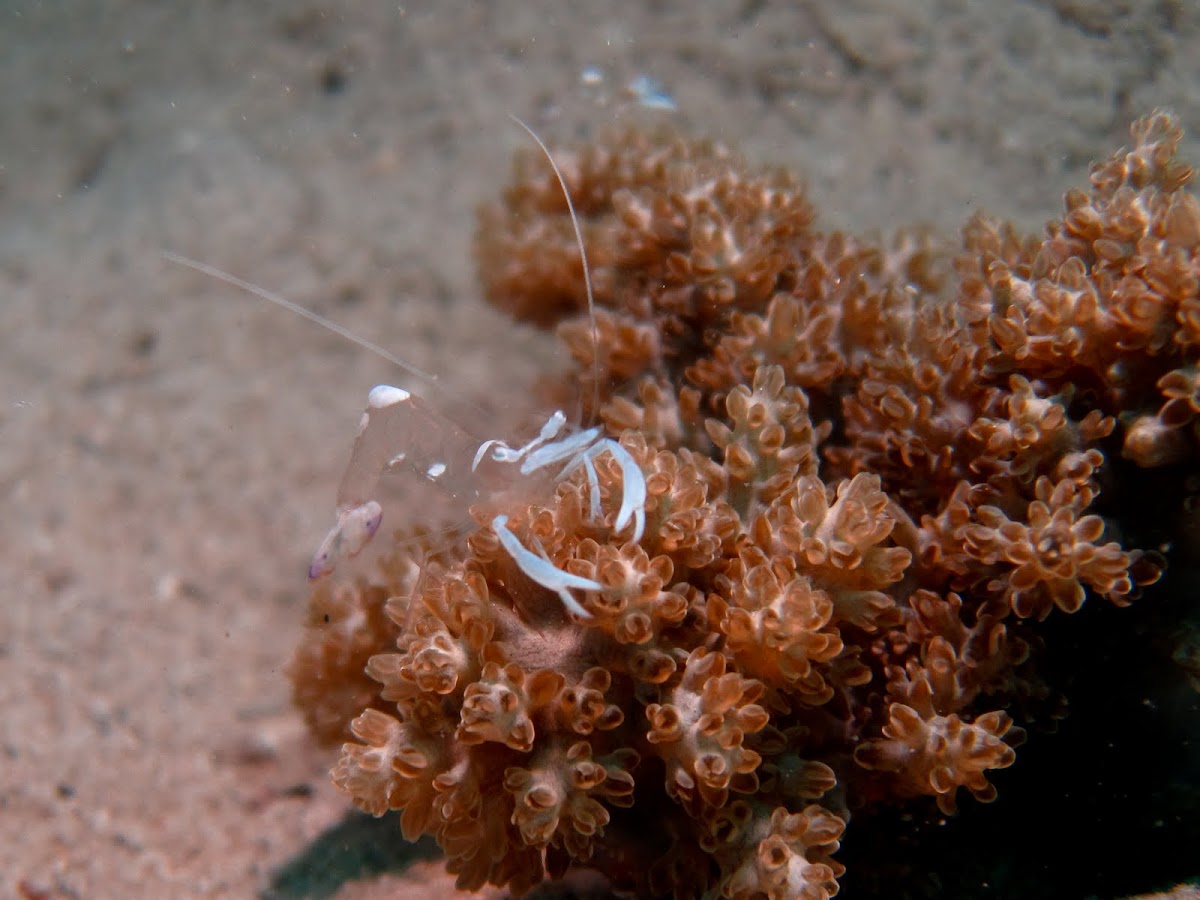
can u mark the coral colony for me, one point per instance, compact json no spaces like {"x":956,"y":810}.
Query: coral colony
{"x":798,"y":569}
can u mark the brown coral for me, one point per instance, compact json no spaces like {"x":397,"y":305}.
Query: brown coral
{"x":701,"y":729}
{"x":939,"y":754}
{"x":867,"y":479}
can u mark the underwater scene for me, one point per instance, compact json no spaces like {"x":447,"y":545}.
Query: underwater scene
{"x":718,"y":450}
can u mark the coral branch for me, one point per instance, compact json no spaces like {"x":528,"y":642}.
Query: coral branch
{"x":843,"y":483}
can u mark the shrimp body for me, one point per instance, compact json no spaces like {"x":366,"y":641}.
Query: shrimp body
{"x":400,"y":430}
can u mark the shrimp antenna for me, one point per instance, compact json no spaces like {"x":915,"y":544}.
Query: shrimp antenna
{"x":304,"y":313}
{"x":587,"y":275}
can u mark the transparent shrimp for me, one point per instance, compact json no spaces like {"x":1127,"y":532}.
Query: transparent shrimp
{"x":397,"y":429}
{"x":400,"y":431}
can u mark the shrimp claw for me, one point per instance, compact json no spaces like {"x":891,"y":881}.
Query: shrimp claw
{"x":542,"y":571}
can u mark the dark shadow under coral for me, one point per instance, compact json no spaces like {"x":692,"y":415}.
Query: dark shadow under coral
{"x":358,"y":847}
{"x":1106,"y":806}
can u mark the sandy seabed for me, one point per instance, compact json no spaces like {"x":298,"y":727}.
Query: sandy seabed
{"x":169,"y":448}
